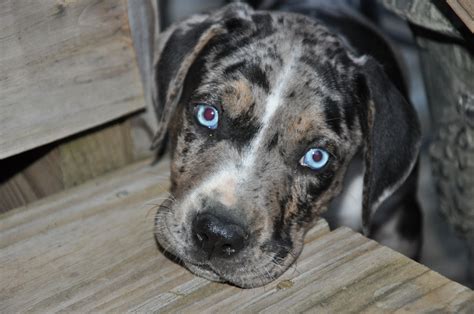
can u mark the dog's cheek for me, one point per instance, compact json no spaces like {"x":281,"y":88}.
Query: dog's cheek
{"x":183,"y":143}
{"x":194,"y":161}
{"x":309,"y":198}
{"x":276,"y":233}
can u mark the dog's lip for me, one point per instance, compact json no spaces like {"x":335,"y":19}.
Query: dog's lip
{"x":203,"y":266}
{"x":204,"y":270}
{"x":192,"y":265}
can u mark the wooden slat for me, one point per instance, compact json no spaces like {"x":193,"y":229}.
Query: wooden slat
{"x":92,"y":249}
{"x":32,"y":175}
{"x":144,"y":25}
{"x":465,"y":10}
{"x":97,"y":153}
{"x":28,"y":177}
{"x":65,"y":66}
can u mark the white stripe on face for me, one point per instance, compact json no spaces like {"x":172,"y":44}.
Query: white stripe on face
{"x":225,"y":180}
{"x":272,"y":104}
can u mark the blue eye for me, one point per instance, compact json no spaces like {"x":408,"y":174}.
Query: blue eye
{"x":207,"y":116}
{"x":315,"y":158}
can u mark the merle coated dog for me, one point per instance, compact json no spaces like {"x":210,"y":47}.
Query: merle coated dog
{"x":265,"y":112}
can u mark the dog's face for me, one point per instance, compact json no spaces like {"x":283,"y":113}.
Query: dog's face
{"x":264,"y":113}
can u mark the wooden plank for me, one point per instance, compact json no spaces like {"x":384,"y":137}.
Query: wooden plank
{"x":91,"y":249}
{"x":30,"y":176}
{"x":97,"y":153}
{"x":144,"y":27}
{"x":35,"y":174}
{"x":465,"y":10}
{"x":65,"y":66}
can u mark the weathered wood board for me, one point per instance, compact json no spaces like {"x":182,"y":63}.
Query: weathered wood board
{"x":91,"y":248}
{"x":46,"y":170}
{"x":465,"y":10}
{"x":65,"y":66}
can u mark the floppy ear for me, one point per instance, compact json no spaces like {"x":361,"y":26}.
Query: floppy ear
{"x":176,"y":50}
{"x":392,"y":138}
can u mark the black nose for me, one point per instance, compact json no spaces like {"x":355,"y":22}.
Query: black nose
{"x":218,"y":237}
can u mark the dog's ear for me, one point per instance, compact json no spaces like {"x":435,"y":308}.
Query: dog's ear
{"x":175,"y":52}
{"x":391,"y":133}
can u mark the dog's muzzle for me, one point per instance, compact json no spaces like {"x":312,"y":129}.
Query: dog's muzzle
{"x":214,"y":242}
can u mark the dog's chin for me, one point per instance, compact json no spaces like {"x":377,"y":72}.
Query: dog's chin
{"x":208,"y":273}
{"x":241,"y":278}
{"x":204,"y":272}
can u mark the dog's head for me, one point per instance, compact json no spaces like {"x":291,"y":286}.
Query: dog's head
{"x":264,"y":112}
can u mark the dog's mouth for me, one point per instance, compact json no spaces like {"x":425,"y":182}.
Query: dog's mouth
{"x":245,"y":280}
{"x":257,"y":265}
{"x":166,"y":247}
{"x":204,"y":271}
{"x":200,"y":269}
{"x":248,"y":276}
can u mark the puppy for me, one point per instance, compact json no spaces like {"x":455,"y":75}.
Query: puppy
{"x":264,"y":112}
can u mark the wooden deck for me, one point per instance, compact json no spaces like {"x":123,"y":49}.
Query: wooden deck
{"x":91,"y":248}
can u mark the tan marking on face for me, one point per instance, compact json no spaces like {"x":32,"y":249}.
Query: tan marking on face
{"x":226,"y":193}
{"x":301,"y":125}
{"x":293,"y":205}
{"x":320,"y":205}
{"x":238,"y":98}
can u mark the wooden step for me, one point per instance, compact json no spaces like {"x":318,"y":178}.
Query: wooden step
{"x":91,"y":248}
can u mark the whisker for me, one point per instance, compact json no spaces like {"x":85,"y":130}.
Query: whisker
{"x":154,"y":207}
{"x":335,"y":119}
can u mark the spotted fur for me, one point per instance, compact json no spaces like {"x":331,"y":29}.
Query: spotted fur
{"x":282,"y":83}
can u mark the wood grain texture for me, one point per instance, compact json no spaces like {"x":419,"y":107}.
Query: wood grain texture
{"x":144,"y":26}
{"x":464,"y":9}
{"x":35,"y":174}
{"x":65,"y":66}
{"x":91,"y":248}
{"x":97,"y":153}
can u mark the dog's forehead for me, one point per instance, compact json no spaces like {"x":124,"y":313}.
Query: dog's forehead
{"x":312,"y":63}
{"x":273,"y":37}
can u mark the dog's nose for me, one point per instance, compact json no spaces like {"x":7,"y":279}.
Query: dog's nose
{"x":218,"y":237}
